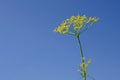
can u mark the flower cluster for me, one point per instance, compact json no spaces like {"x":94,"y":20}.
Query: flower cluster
{"x":84,"y":66}
{"x":75,"y":25}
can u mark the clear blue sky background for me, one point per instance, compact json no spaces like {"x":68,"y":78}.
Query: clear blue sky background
{"x":29,"y":50}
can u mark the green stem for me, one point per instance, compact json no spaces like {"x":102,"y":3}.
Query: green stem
{"x":81,"y":52}
{"x":80,"y":46}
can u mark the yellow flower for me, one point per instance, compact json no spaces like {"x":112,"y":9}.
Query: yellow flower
{"x":63,"y":28}
{"x":88,"y":63}
{"x":92,"y":19}
{"x":75,"y":25}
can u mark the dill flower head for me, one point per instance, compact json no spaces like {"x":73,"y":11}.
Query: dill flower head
{"x":75,"y":25}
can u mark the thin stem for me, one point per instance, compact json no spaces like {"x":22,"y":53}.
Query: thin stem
{"x":80,"y":46}
{"x":81,"y":52}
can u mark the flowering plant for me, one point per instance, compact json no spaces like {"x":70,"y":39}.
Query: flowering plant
{"x":75,"y":26}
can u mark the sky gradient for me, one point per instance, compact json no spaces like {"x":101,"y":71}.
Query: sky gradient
{"x":30,"y":50}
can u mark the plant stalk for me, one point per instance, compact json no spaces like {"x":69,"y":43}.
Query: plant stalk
{"x":82,"y":55}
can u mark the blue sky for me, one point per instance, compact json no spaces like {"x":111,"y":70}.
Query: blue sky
{"x":29,"y":50}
